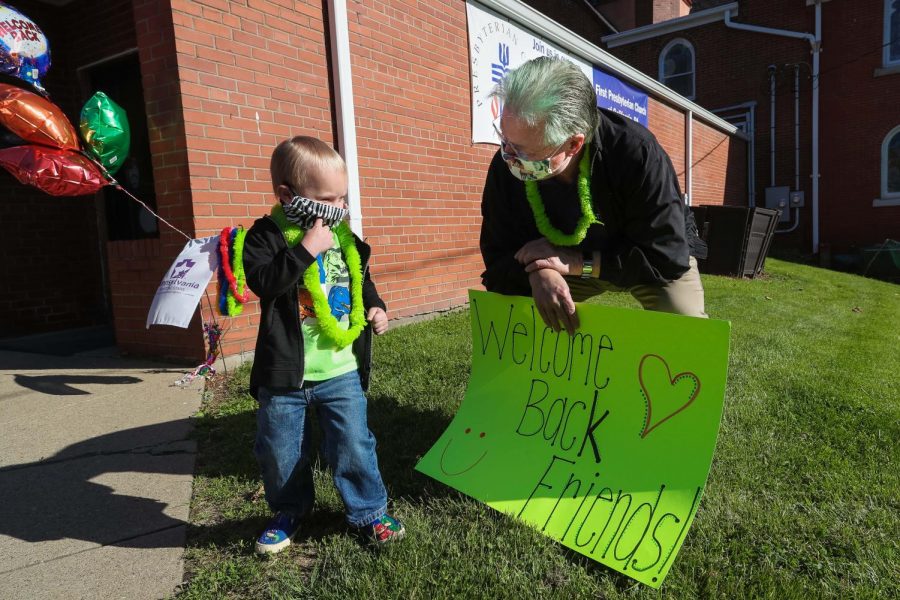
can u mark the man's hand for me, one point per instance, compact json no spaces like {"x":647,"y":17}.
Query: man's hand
{"x":553,"y":300}
{"x":378,"y":318}
{"x":317,"y":238}
{"x":541,"y":254}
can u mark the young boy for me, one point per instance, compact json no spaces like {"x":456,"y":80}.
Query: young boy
{"x":318,"y":309}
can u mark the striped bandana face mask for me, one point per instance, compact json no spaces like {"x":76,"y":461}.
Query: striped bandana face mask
{"x":303,"y":212}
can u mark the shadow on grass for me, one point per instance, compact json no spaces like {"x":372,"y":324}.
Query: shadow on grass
{"x":318,"y":526}
{"x":404,"y":435}
{"x":792,"y":255}
{"x":225,"y":453}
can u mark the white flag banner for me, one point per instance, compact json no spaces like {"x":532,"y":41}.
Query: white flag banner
{"x":497,"y":45}
{"x":179,"y":292}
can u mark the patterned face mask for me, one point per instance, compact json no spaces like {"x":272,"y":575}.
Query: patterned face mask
{"x":521,"y":167}
{"x":528,"y":170}
{"x":303,"y":212}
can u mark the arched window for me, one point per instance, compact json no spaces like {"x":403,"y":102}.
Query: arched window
{"x":891,"y":32}
{"x":676,"y":67}
{"x":890,"y":166}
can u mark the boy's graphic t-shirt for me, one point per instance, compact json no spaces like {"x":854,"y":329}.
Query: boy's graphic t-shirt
{"x":323,"y":359}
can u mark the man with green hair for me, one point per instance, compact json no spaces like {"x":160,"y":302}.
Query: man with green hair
{"x":579,"y":201}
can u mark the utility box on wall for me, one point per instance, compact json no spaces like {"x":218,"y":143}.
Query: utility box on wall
{"x":738,"y":238}
{"x":779,"y":198}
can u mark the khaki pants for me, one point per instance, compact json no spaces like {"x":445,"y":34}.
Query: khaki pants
{"x":684,"y":296}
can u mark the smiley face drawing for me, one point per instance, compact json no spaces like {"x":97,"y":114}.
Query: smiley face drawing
{"x":466,"y":469}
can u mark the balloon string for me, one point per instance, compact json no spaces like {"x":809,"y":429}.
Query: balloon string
{"x":212,"y":312}
{"x":133,"y":197}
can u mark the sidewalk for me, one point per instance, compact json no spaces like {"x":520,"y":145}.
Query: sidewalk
{"x":95,"y":475}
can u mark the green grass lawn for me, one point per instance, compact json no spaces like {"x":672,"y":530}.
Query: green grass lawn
{"x":803,"y":500}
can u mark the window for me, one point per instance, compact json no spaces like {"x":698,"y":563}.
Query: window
{"x":890,"y":166}
{"x":676,"y":67}
{"x":891,"y":32}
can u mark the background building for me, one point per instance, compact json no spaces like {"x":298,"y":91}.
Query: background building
{"x":760,"y":64}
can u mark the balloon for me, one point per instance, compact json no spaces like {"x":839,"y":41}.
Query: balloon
{"x":104,"y":127}
{"x":35,"y":119}
{"x":54,"y":170}
{"x":24,"y":50}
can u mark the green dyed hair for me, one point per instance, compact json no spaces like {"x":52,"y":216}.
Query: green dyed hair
{"x":553,"y":92}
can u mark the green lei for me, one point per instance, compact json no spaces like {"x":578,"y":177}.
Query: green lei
{"x":557,"y":237}
{"x":327,"y":323}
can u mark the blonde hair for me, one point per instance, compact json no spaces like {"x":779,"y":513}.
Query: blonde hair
{"x":294,"y":160}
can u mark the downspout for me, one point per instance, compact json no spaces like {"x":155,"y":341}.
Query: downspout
{"x":815,"y":42}
{"x":817,"y":50}
{"x":343,"y":101}
{"x":688,"y":156}
{"x":796,"y":148}
{"x":797,"y":127}
{"x":772,"y":125}
{"x":752,"y":158}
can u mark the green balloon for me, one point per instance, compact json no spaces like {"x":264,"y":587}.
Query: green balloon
{"x":104,"y":127}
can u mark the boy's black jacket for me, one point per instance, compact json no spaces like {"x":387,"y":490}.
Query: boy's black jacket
{"x":274,"y":272}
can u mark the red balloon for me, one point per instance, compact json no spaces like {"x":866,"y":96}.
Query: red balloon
{"x":56,"y":171}
{"x":35,"y":119}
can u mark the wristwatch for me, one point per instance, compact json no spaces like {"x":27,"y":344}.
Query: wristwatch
{"x":587,"y":264}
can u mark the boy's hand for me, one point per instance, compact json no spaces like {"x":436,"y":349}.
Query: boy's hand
{"x":317,"y":238}
{"x":378,"y":318}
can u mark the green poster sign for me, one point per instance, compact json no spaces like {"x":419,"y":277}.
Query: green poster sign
{"x":602,"y":440}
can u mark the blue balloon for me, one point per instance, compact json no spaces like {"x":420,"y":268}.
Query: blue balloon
{"x":24,"y":49}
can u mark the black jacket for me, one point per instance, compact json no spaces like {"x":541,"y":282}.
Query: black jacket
{"x":647,"y":233}
{"x":274,"y":273}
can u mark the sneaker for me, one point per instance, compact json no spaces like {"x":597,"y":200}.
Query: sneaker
{"x":278,"y":534}
{"x":383,"y":530}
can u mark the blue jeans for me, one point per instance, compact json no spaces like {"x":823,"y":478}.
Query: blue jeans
{"x":283,"y":447}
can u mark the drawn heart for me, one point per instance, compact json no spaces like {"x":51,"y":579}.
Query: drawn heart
{"x":671,"y":400}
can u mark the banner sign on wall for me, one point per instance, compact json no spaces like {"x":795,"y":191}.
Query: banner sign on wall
{"x":497,"y":45}
{"x":180,"y":290}
{"x":602,"y":440}
{"x":620,"y":97}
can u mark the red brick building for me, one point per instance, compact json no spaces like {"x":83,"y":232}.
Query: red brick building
{"x":761,"y":63}
{"x":210,"y":86}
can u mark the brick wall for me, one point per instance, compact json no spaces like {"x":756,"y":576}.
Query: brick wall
{"x":667,"y":124}
{"x":575,"y":16}
{"x":656,"y":11}
{"x":718,"y":162}
{"x":251,"y":74}
{"x":858,"y":111}
{"x":719,"y":167}
{"x":420,"y":177}
{"x":136,"y":267}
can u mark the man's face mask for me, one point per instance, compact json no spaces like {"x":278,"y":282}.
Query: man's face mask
{"x":522,"y":168}
{"x":303,"y":212}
